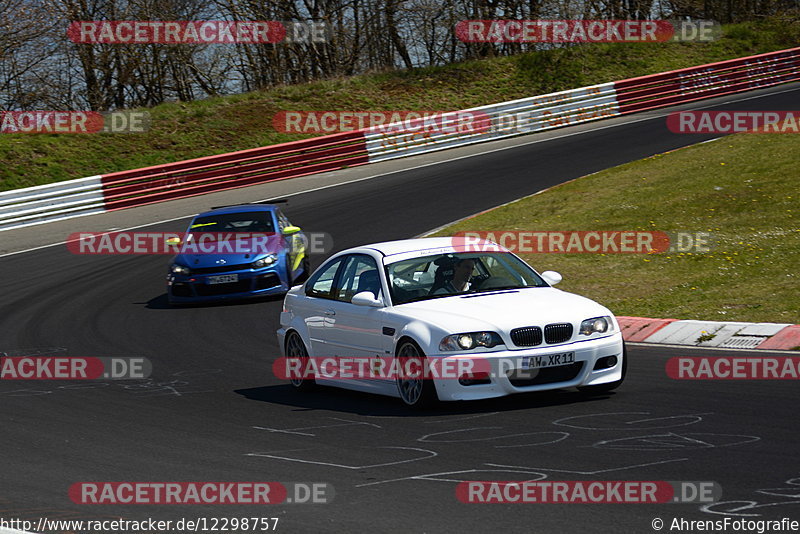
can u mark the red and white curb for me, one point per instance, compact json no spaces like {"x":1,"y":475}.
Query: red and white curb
{"x":720,"y":334}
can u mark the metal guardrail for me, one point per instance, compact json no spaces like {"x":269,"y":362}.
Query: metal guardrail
{"x":45,"y":203}
{"x":497,"y":121}
{"x":237,"y":169}
{"x":97,"y":194}
{"x":594,"y":102}
{"x":181,"y":179}
{"x":707,"y":81}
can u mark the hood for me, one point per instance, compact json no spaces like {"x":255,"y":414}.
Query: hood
{"x":231,"y":252}
{"x":504,"y":311}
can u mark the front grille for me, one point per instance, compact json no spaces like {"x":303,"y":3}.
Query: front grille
{"x":557,"y":332}
{"x":220,"y":268}
{"x":209,"y":290}
{"x":547,"y":375}
{"x":527,"y":336}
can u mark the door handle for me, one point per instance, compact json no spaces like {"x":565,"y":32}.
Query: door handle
{"x":330,"y":312}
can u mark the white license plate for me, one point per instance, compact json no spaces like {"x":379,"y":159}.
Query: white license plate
{"x":548,"y":360}
{"x":223,"y":279}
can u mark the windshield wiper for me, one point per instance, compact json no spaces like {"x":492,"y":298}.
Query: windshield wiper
{"x":498,"y":288}
{"x":503,"y":288}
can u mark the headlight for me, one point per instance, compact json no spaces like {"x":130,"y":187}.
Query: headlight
{"x":596,"y":325}
{"x":265,"y":261}
{"x":470,"y":341}
{"x":177,"y":268}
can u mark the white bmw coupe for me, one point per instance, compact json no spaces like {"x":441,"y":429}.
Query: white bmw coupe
{"x":479,"y":320}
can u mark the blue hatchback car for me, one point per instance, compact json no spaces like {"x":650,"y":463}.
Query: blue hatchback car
{"x":237,"y":252}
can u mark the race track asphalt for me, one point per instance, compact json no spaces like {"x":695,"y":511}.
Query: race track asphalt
{"x":213,"y":411}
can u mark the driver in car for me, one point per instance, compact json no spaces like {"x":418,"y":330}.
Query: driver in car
{"x":459,"y":283}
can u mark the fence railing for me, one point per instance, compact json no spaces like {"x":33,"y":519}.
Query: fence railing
{"x":181,"y":179}
{"x":594,"y":102}
{"x":237,"y":169}
{"x":51,"y":202}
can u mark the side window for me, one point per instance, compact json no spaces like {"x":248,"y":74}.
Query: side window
{"x":321,"y":283}
{"x":360,"y":274}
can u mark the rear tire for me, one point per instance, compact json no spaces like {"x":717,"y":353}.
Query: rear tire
{"x":296,"y":349}
{"x":605,"y":388}
{"x":416,"y":393}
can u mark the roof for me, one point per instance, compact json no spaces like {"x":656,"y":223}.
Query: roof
{"x":454,"y":244}
{"x":243,"y":208}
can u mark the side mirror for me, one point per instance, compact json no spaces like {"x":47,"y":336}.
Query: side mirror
{"x":366,"y":298}
{"x":551,"y":277}
{"x":291,"y":230}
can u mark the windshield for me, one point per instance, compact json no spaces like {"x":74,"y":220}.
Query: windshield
{"x":250,"y":221}
{"x":442,"y":275}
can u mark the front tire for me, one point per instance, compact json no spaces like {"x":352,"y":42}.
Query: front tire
{"x":605,"y":388}
{"x":296,"y":349}
{"x":417,"y":393}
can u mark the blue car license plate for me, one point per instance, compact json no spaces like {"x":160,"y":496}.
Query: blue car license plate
{"x":223,"y":279}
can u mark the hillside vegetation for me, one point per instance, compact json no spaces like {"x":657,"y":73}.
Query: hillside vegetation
{"x":186,"y":130}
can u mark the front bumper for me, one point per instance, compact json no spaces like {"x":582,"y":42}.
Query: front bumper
{"x":507,"y":377}
{"x":250,"y":283}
